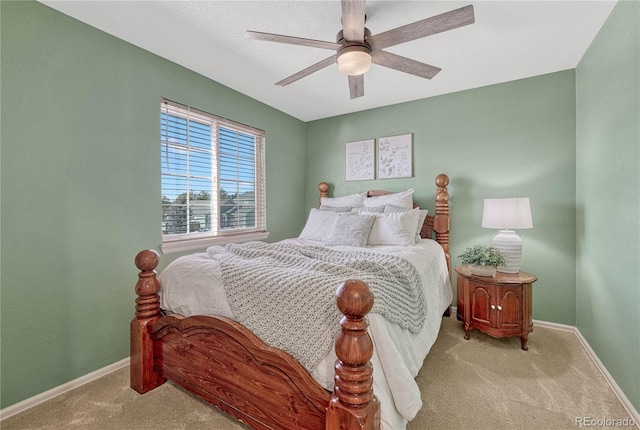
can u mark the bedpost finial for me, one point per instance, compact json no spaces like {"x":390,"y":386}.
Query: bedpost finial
{"x":147,"y":260}
{"x":323,"y":187}
{"x":442,"y":180}
{"x":148,"y":302}
{"x":442,"y":195}
{"x":354,"y":298}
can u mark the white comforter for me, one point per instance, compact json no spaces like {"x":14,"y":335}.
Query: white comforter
{"x":192,"y":285}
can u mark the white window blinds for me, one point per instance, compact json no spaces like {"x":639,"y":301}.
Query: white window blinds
{"x":212,"y":175}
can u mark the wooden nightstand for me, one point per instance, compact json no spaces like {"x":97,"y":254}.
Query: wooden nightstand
{"x":498,"y":305}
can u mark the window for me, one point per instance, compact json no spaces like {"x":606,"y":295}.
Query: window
{"x":212,"y":179}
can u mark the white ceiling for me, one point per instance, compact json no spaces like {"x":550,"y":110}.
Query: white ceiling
{"x":509,"y":40}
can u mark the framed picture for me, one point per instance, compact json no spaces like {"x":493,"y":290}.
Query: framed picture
{"x":394,"y":156}
{"x":360,"y":160}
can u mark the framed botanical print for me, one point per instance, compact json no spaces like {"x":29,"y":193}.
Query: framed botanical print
{"x":360,"y":160}
{"x":394,"y":156}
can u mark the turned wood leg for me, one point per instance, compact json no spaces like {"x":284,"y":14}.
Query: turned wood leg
{"x":523,"y":341}
{"x":467,"y":328}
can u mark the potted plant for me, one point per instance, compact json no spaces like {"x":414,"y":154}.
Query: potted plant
{"x":482,"y":259}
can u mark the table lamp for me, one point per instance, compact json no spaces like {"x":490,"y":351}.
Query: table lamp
{"x":507,"y":215}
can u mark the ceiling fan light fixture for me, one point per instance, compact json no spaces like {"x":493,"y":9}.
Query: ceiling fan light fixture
{"x":354,"y":60}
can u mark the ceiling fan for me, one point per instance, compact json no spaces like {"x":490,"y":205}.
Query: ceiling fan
{"x":356,"y":48}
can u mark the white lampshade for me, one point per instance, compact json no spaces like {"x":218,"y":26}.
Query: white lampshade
{"x":354,"y":60}
{"x":508,"y":215}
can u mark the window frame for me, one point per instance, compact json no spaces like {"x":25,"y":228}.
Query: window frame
{"x":189,"y":241}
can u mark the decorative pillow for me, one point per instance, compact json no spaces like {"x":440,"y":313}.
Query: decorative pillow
{"x":351,"y":230}
{"x":396,"y":228}
{"x":378,"y":209}
{"x":421,"y":218}
{"x":353,"y":200}
{"x":336,"y":208}
{"x":318,"y":224}
{"x":403,"y":199}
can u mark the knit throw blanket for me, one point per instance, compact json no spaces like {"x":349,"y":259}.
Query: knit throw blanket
{"x":285,"y":293}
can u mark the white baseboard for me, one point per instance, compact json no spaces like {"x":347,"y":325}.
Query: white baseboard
{"x":556,"y":326}
{"x":32,"y":401}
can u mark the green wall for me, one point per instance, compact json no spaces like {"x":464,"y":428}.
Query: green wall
{"x":515,"y":139}
{"x":81,"y":187}
{"x":608,"y":197}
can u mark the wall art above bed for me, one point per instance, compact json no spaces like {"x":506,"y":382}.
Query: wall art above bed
{"x":360,"y":160}
{"x":394,"y":157}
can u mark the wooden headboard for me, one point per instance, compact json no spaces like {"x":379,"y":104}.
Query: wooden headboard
{"x":436,"y":227}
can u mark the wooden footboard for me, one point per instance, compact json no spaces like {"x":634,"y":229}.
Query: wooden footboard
{"x":225,"y":364}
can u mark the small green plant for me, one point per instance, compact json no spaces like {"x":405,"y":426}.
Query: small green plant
{"x":482,"y":255}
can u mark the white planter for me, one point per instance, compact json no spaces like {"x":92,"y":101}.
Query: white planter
{"x":482,"y":270}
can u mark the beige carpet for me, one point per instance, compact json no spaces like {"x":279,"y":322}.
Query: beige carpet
{"x":482,"y":383}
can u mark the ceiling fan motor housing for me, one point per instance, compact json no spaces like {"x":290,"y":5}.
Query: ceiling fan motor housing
{"x":353,"y":57}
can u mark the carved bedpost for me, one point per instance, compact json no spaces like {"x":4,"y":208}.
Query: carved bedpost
{"x":142,"y":376}
{"x":323,"y":187}
{"x":441,"y":222}
{"x":352,"y":404}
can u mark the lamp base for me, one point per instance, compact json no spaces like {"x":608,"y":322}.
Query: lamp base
{"x":510,"y":244}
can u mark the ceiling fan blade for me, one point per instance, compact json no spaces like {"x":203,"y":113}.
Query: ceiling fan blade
{"x":404,"y":64}
{"x":309,"y":70}
{"x":353,"y":17}
{"x":291,"y":40}
{"x":426,"y":27}
{"x":356,"y":86}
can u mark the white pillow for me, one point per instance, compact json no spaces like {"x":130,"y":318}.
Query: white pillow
{"x":319,"y":225}
{"x":353,"y":200}
{"x":396,"y":228}
{"x":403,"y":199}
{"x":421,"y":218}
{"x":351,"y":230}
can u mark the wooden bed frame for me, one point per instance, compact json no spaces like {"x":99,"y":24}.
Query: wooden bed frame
{"x":224,"y":363}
